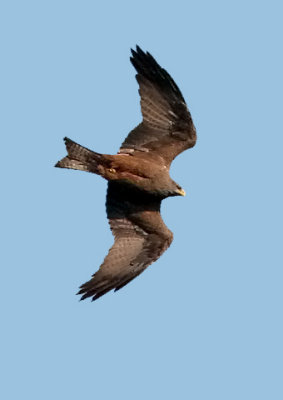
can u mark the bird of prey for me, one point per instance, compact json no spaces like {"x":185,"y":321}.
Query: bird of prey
{"x":138,"y":177}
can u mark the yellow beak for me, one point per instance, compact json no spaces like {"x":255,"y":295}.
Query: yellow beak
{"x":181,"y":192}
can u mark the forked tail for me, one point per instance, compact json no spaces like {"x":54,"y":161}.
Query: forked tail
{"x":80,"y":158}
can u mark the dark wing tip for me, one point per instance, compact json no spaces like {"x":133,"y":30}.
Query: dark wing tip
{"x":146,"y":66}
{"x":84,"y":293}
{"x":143,"y":61}
{"x":137,"y":51}
{"x":94,"y":288}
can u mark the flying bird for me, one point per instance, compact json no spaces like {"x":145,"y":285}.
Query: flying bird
{"x":138,"y":177}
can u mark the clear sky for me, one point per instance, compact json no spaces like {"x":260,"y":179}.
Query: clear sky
{"x":205,"y":321}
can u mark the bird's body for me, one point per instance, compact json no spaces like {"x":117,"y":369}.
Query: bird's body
{"x":138,"y":177}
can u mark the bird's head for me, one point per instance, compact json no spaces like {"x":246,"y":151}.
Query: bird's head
{"x":177,"y":190}
{"x":172,"y":189}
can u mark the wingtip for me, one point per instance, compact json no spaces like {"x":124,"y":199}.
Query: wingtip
{"x":138,"y":49}
{"x":138,"y":52}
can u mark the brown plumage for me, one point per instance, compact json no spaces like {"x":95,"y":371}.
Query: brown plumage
{"x":138,"y":177}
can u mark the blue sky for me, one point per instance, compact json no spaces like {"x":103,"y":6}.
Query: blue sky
{"x":205,"y":321}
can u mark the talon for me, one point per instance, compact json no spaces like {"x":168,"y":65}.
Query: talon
{"x":112,"y":170}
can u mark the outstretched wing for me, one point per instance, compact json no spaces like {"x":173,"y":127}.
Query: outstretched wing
{"x":140,"y":238}
{"x":167,"y":127}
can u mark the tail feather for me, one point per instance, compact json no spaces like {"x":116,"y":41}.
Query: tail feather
{"x":79,"y":158}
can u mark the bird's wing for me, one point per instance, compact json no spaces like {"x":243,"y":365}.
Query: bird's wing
{"x":140,"y":238}
{"x":167,"y":128}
